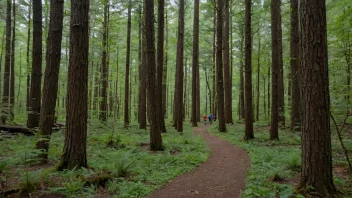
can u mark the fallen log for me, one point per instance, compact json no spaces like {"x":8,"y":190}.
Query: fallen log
{"x":16,"y":129}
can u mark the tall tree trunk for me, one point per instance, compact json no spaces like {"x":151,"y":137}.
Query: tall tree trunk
{"x":12,"y":71}
{"x":103,"y":109}
{"x":226,"y":58}
{"x":185,"y":90}
{"x":143,"y":84}
{"x":248,"y":67}
{"x":264,"y":97}
{"x":127,"y":72}
{"x":179,"y":69}
{"x":242,"y":108}
{"x":214,"y":61}
{"x":281,"y":88}
{"x":316,"y":170}
{"x":160,"y":65}
{"x":258,"y":79}
{"x":155,"y":133}
{"x":5,"y":95}
{"x":36,"y":75}
{"x":275,"y":22}
{"x":2,"y":53}
{"x":74,"y":152}
{"x":195,"y":62}
{"x":295,"y":75}
{"x":219,"y":69}
{"x":50,"y":87}
{"x":165,"y":84}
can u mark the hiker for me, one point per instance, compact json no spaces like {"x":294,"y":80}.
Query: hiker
{"x":211,"y":118}
{"x":205,"y":119}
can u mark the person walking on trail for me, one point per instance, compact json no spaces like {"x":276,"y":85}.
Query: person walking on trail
{"x":205,"y":119}
{"x":211,"y":118}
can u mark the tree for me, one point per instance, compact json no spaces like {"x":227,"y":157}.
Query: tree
{"x":74,"y":152}
{"x":160,"y":64}
{"x":127,"y":74}
{"x":316,"y":168}
{"x":36,"y":75}
{"x":155,"y":132}
{"x":5,"y":95}
{"x":27,"y":59}
{"x":103,"y":110}
{"x":275,"y":5}
{"x":142,"y":83}
{"x":281,"y":88}
{"x":219,"y":70}
{"x":50,"y":87}
{"x":295,"y":75}
{"x":248,"y":71}
{"x":227,"y":72}
{"x":179,"y":69}
{"x":242,"y":108}
{"x":12,"y":71}
{"x":195,"y":62}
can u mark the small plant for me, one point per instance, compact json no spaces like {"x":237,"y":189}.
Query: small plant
{"x":123,"y":167}
{"x":29,"y":182}
{"x":3,"y":166}
{"x":73,"y":186}
{"x":294,"y":163}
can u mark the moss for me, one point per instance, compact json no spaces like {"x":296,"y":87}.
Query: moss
{"x":99,"y":179}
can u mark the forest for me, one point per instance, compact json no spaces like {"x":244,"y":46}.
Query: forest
{"x":175,"y":98}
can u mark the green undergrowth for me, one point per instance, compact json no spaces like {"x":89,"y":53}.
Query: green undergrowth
{"x":120,"y":163}
{"x":275,"y":165}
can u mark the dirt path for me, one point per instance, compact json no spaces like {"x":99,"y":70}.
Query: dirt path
{"x":222,"y":175}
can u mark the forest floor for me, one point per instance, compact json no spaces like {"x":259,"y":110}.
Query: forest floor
{"x":222,"y":175}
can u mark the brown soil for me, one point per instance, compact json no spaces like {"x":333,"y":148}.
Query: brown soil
{"x":222,"y":175}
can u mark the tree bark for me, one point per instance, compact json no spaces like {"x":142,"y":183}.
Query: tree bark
{"x":12,"y":71}
{"x":295,"y":75}
{"x":74,"y":152}
{"x":195,"y":62}
{"x":103,"y":108}
{"x":281,"y":87}
{"x":316,"y":168}
{"x":36,"y":75}
{"x":160,"y":65}
{"x":127,"y":72}
{"x":143,"y":83}
{"x":165,"y":84}
{"x":178,"y":106}
{"x":248,"y":67}
{"x":242,"y":108}
{"x":2,"y":53}
{"x":258,"y":79}
{"x":213,"y":110}
{"x":5,"y":95}
{"x":275,"y":22}
{"x":269,"y":109}
{"x":219,"y":69}
{"x":155,"y":133}
{"x":50,"y":87}
{"x":227,"y":72}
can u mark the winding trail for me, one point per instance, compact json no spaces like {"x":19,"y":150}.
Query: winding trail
{"x":222,"y":175}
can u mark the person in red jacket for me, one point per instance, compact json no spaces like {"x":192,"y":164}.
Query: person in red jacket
{"x":205,"y":119}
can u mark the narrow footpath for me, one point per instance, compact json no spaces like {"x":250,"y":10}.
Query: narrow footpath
{"x":222,"y":175}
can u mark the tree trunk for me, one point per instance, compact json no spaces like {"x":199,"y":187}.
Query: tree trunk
{"x":5,"y":95}
{"x":195,"y":62}
{"x":2,"y":52}
{"x":164,"y":103}
{"x":248,"y":67}
{"x":36,"y":75}
{"x":269,"y":109}
{"x":178,"y":106}
{"x":127,"y":71}
{"x":155,"y":133}
{"x":219,"y":69}
{"x":214,"y":60}
{"x":275,"y":22}
{"x":103,"y":108}
{"x":242,"y":108}
{"x":12,"y":71}
{"x":143,"y":84}
{"x":50,"y":87}
{"x":139,"y":56}
{"x":316,"y":171}
{"x":160,"y":65}
{"x":258,"y":79}
{"x":226,"y":58}
{"x":75,"y":155}
{"x":295,"y":75}
{"x":281,"y":88}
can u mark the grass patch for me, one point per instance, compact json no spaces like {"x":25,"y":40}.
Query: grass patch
{"x":275,"y":165}
{"x":118,"y":164}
